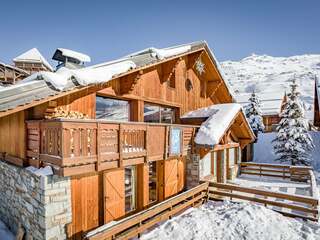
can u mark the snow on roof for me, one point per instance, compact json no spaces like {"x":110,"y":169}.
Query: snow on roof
{"x":219,"y":118}
{"x":33,"y":55}
{"x":73,"y":54}
{"x":163,"y":52}
{"x":85,"y":76}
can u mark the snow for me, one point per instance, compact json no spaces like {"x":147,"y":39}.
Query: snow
{"x":219,"y":118}
{"x":33,"y":55}
{"x":231,"y":221}
{"x":45,"y":171}
{"x":271,"y":75}
{"x":162,"y":53}
{"x":73,"y":54}
{"x":5,"y":234}
{"x":90,"y":75}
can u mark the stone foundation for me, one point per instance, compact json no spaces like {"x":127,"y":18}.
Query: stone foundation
{"x":40,"y":204}
{"x":193,"y":171}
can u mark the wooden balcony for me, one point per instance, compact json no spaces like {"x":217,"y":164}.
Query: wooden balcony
{"x":75,"y":147}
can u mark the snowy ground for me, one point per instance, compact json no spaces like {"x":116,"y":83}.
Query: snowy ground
{"x":5,"y":234}
{"x":233,"y":221}
{"x":273,"y":184}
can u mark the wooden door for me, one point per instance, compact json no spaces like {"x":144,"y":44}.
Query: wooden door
{"x":181,"y":173}
{"x":114,"y":195}
{"x":170,"y":177}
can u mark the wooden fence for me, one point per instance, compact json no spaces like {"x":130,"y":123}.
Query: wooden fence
{"x":307,"y":206}
{"x":84,"y":146}
{"x":296,"y":173}
{"x":134,"y":225}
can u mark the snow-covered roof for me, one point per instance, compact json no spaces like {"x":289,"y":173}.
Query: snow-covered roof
{"x":219,"y":118}
{"x":84,"y":76}
{"x":73,"y":54}
{"x":270,"y":101}
{"x":33,"y":55}
{"x":43,"y":84}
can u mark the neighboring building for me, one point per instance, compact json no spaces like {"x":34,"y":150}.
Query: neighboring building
{"x":271,"y":104}
{"x":120,"y":137}
{"x":32,"y":61}
{"x":10,"y":74}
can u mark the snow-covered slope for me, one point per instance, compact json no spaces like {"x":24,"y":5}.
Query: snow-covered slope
{"x":272,"y":75}
{"x":234,"y":221}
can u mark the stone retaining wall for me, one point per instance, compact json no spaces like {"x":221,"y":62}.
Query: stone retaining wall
{"x":41,"y":204}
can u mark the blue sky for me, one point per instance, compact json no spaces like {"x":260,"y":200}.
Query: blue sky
{"x":109,"y":29}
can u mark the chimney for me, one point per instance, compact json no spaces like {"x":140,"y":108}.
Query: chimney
{"x":70,"y":59}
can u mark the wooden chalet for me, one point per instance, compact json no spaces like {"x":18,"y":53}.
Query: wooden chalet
{"x":10,"y":74}
{"x":124,"y":143}
{"x":32,"y":61}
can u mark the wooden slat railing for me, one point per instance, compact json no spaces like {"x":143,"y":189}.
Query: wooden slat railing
{"x":308,"y":206}
{"x":297,"y":173}
{"x":136,"y":224}
{"x":83,"y":146}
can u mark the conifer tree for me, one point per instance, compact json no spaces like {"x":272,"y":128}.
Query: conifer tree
{"x":293,"y":143}
{"x":253,"y":114}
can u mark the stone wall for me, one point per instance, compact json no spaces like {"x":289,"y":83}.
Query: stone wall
{"x":40,"y":204}
{"x":193,"y":171}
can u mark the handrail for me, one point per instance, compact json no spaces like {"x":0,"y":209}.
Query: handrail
{"x":84,"y":146}
{"x":151,"y":216}
{"x":113,"y":122}
{"x":261,"y":196}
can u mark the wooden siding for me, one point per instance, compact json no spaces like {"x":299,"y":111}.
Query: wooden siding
{"x":13,"y":134}
{"x":153,"y":86}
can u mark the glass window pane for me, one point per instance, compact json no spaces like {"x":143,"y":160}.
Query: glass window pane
{"x":130,"y":188}
{"x":153,"y":195}
{"x":167,"y":115}
{"x":112,"y":109}
{"x":151,"y":113}
{"x":205,"y":165}
{"x":231,"y":157}
{"x":215,"y":159}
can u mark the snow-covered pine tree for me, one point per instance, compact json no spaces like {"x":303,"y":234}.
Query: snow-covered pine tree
{"x":253,"y":114}
{"x":293,"y":142}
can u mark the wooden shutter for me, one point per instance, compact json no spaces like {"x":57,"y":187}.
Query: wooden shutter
{"x":170,"y":177}
{"x":114,"y":195}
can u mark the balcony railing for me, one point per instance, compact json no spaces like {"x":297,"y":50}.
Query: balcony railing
{"x":81,"y":146}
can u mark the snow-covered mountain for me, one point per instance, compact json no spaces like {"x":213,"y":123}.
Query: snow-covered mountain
{"x":271,"y":76}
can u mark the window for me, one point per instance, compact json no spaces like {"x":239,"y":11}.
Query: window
{"x":112,"y":109}
{"x":232,"y":157}
{"x":151,"y":113}
{"x":130,"y":189}
{"x":153,"y":188}
{"x":158,"y":114}
{"x":205,"y":166}
{"x":214,"y":165}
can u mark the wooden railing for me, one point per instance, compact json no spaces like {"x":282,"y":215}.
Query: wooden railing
{"x":297,"y":173}
{"x":82,"y":146}
{"x":134,"y":225}
{"x":307,"y":206}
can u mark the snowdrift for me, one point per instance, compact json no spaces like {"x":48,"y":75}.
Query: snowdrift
{"x":233,"y":221}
